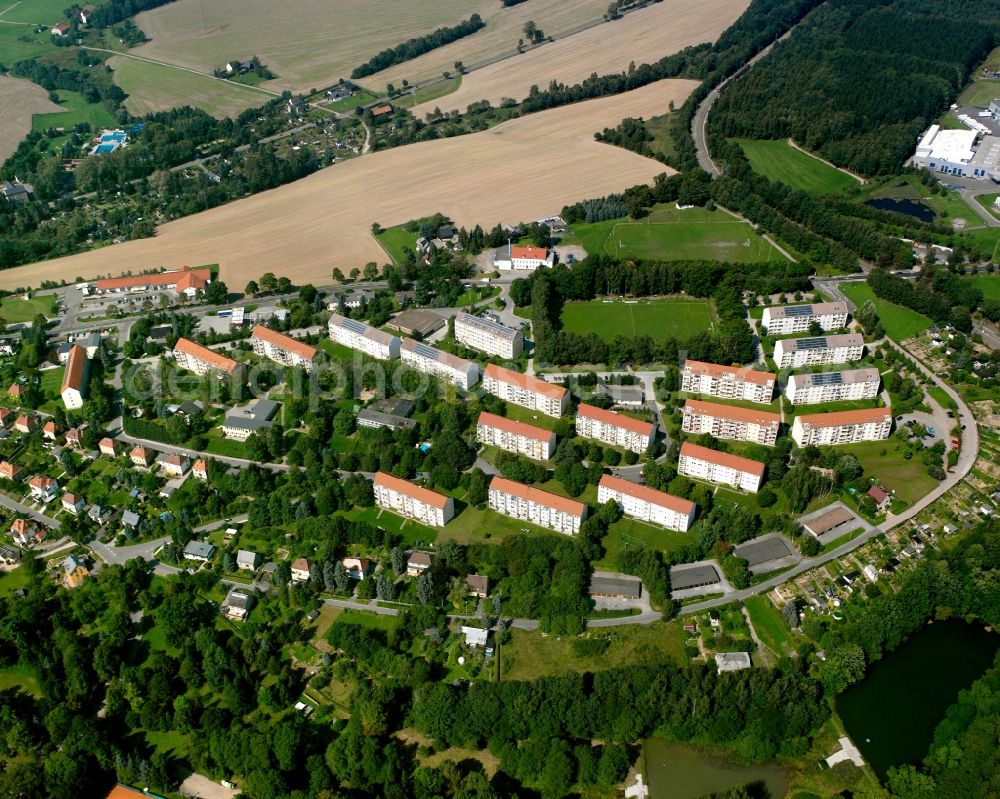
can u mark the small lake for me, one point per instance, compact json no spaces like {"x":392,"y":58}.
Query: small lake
{"x":676,"y":771}
{"x":909,"y":207}
{"x":892,"y":714}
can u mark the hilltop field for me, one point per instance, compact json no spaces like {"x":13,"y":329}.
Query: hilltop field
{"x":20,"y":99}
{"x":305,"y":229}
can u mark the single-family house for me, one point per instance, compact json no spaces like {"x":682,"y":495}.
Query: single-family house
{"x":357,"y":568}
{"x":882,"y":499}
{"x":142,"y":456}
{"x":97,"y":514}
{"x":201,"y":551}
{"x":200,"y":469}
{"x":236,"y":604}
{"x":131,"y":520}
{"x":60,"y":29}
{"x":300,"y":570}
{"x":25,"y":424}
{"x":6,"y":414}
{"x":75,"y":571}
{"x":10,"y":471}
{"x":478,"y":585}
{"x":174,"y":464}
{"x":247,"y":559}
{"x":74,"y":438}
{"x":49,"y":431}
{"x":474,"y":636}
{"x":72,"y":503}
{"x":27,"y":532}
{"x":418,"y":563}
{"x":43,"y":488}
{"x":16,"y":390}
{"x":108,"y":447}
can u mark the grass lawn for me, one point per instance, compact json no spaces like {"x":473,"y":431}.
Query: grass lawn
{"x":75,"y":110}
{"x":360,"y":97}
{"x":21,"y":41}
{"x":217,"y":445}
{"x":13,"y":580}
{"x":432,"y":92}
{"x":770,"y":627}
{"x":19,"y":677}
{"x":171,"y":742}
{"x":396,"y":241}
{"x":665,"y":130}
{"x":979,"y":92}
{"x":50,"y":380}
{"x":412,"y":533}
{"x":370,"y":621}
{"x":472,"y":524}
{"x":909,"y":187}
{"x":900,"y":323}
{"x":884,"y":459}
{"x":14,"y":309}
{"x":941,"y":397}
{"x":987,"y":201}
{"x":777,"y":160}
{"x":680,"y":318}
{"x":837,"y":542}
{"x":531,"y":655}
{"x":988,"y":284}
{"x":528,"y":416}
{"x":631,"y":534}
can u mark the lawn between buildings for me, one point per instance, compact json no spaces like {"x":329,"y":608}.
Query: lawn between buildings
{"x":900,"y":323}
{"x":14,"y":309}
{"x":676,"y":317}
{"x":770,"y":626}
{"x":777,"y":160}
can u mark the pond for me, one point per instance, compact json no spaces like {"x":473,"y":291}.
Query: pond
{"x":892,"y":714}
{"x":908,"y":207}
{"x":676,"y":771}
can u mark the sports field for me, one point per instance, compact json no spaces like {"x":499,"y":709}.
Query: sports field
{"x":19,"y":99}
{"x":899,"y":322}
{"x":679,"y":318}
{"x":777,"y":160}
{"x":14,"y":309}
{"x":315,"y":224}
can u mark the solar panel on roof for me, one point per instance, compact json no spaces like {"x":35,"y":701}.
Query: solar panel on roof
{"x":810,"y":343}
{"x":503,"y":330}
{"x":425,"y":351}
{"x":798,"y":310}
{"x":354,"y":325}
{"x":827,"y":379}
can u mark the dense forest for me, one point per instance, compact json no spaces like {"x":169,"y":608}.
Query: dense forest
{"x":413,"y":48}
{"x":114,"y":11}
{"x":860,"y":79}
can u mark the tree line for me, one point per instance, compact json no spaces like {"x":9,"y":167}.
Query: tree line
{"x":937,"y":293}
{"x":417,"y":46}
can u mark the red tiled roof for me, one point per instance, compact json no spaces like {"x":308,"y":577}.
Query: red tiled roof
{"x":539,"y":253}
{"x":526,"y":382}
{"x":860,"y":416}
{"x":107,"y":443}
{"x":76,"y":369}
{"x":71,"y":499}
{"x":22,"y":526}
{"x":425,"y":495}
{"x":715,"y":370}
{"x":878,"y":495}
{"x":200,"y":466}
{"x":722,"y":458}
{"x":41,"y":481}
{"x":139,"y":451}
{"x":381,"y":109}
{"x":651,"y":495}
{"x":9,"y":471}
{"x":617,"y":419}
{"x":24,"y":421}
{"x":283,"y":341}
{"x":517,"y":428}
{"x":204,"y":354}
{"x":721,"y":411}
{"x":16,"y":390}
{"x":539,"y":497}
{"x":185,"y":278}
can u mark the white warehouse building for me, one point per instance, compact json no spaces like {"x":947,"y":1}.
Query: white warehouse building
{"x":784,"y":319}
{"x":954,"y":152}
{"x":849,"y":384}
{"x":791,"y":353}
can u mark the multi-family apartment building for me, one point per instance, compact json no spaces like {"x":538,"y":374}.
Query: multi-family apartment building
{"x":487,"y":336}
{"x":721,"y":468}
{"x":413,"y":501}
{"x":524,"y":439}
{"x":844,"y":427}
{"x":74,"y":382}
{"x":727,"y":382}
{"x":647,"y":504}
{"x":364,"y":338}
{"x":790,"y":353}
{"x":282,"y":349}
{"x":728,"y":421}
{"x":440,"y":364}
{"x":614,"y":428}
{"x":201,"y":360}
{"x":850,"y":384}
{"x":526,"y":391}
{"x":536,"y":506}
{"x":784,"y":319}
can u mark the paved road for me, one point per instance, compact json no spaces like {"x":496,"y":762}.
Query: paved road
{"x":191,"y":453}
{"x":31,"y":513}
{"x":113,"y":554}
{"x":969,"y":195}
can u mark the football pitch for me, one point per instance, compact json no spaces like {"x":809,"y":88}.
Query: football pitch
{"x":679,"y":318}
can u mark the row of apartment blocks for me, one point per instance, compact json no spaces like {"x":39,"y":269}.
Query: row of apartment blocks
{"x":845,"y":427}
{"x":784,"y":319}
{"x":487,"y":336}
{"x":531,"y":504}
{"x":647,"y":504}
{"x":790,"y":353}
{"x":527,"y":391}
{"x":728,"y":421}
{"x":364,"y":338}
{"x":282,"y":349}
{"x":609,"y":427}
{"x":727,"y":382}
{"x":849,"y":384}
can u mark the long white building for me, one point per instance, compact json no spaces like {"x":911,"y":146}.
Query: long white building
{"x":526,"y":391}
{"x":202,"y":360}
{"x":647,"y":504}
{"x":790,"y":353}
{"x":728,"y":421}
{"x":955,"y":152}
{"x":536,"y":506}
{"x":727,"y":382}
{"x":784,"y":319}
{"x":523,"y":259}
{"x":614,"y":428}
{"x":721,"y":468}
{"x":364,"y":338}
{"x":524,"y":439}
{"x":413,"y":501}
{"x":441,"y":364}
{"x":489,"y":337}
{"x":282,"y":349}
{"x":850,"y":384}
{"x":845,"y":427}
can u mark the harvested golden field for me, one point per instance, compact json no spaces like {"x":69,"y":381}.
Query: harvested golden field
{"x":641,"y":37}
{"x":19,"y":99}
{"x":306,"y":43}
{"x":521,"y":170}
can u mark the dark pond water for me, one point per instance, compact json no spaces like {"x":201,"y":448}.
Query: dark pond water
{"x":908,"y":207}
{"x":676,"y":771}
{"x":892,"y":714}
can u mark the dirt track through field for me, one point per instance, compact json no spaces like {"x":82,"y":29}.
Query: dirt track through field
{"x":643,"y":36}
{"x":522,"y":170}
{"x":19,"y":99}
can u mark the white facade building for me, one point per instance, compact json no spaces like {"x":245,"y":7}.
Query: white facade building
{"x":728,"y":421}
{"x":846,"y":427}
{"x":202,"y":360}
{"x":954,"y":152}
{"x":524,"y":439}
{"x":790,"y":353}
{"x":536,"y":506}
{"x":647,"y":504}
{"x":364,"y":338}
{"x":614,"y":428}
{"x":413,"y":501}
{"x":526,"y":391}
{"x":74,"y":382}
{"x":784,"y":319}
{"x":720,"y":467}
{"x":489,"y":337}
{"x":432,"y":361}
{"x":282,"y":349}
{"x":523,"y":259}
{"x":727,"y":382}
{"x":850,"y":384}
